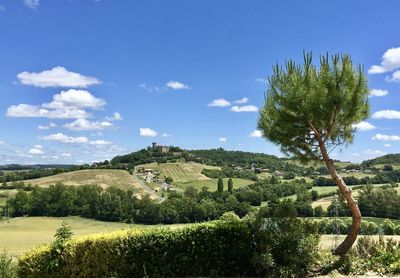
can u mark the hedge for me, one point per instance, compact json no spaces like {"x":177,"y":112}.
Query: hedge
{"x":213,"y":249}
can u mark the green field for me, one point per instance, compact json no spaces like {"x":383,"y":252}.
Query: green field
{"x":23,"y":233}
{"x":212,"y":184}
{"x":326,"y":243}
{"x":102,"y":177}
{"x":180,"y":172}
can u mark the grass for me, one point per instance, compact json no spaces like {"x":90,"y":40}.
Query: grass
{"x":180,"y":172}
{"x":102,"y":177}
{"x":5,"y":194}
{"x":212,"y":184}
{"x":23,"y":233}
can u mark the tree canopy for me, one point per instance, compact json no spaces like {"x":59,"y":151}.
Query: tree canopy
{"x":331,"y":98}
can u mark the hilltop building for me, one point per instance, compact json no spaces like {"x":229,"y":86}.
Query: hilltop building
{"x":164,"y":149}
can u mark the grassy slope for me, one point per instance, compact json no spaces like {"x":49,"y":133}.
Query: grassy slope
{"x":327,"y":241}
{"x":181,"y":172}
{"x":101,"y":177}
{"x":23,"y":233}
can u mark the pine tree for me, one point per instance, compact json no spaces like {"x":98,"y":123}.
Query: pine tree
{"x":310,"y":110}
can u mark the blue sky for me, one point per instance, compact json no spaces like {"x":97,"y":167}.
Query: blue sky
{"x":84,"y":80}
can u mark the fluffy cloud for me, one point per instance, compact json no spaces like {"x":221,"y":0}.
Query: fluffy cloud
{"x":387,"y":145}
{"x":243,"y":100}
{"x":378,"y":92}
{"x":147,"y":132}
{"x":256,"y":134}
{"x":60,"y":137}
{"x":65,"y":105}
{"x":363,"y":126}
{"x":115,"y":117}
{"x":36,"y":150}
{"x":244,"y":108}
{"x":222,"y":139}
{"x":262,"y":80}
{"x":390,"y":61}
{"x":220,"y":102}
{"x":33,"y":4}
{"x":148,"y":88}
{"x":383,"y":137}
{"x":56,"y":77}
{"x":387,"y":114}
{"x":395,"y":77}
{"x":166,"y":135}
{"x":100,"y":143}
{"x":83,"y":124}
{"x":66,"y":155}
{"x":46,"y":127}
{"x":175,"y":85}
{"x":72,"y":99}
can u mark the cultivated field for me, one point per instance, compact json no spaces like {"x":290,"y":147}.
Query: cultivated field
{"x":327,"y":241}
{"x":23,"y":233}
{"x":102,"y":177}
{"x":212,"y":184}
{"x":180,"y":172}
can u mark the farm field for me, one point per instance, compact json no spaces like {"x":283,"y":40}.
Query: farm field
{"x":212,"y":184}
{"x":23,"y":233}
{"x":181,"y":172}
{"x":102,"y":177}
{"x":326,"y":241}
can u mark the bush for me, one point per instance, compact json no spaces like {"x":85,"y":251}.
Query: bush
{"x":229,"y":247}
{"x":7,"y":269}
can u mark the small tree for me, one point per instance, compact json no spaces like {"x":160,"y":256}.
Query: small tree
{"x":310,"y":110}
{"x":220,"y":184}
{"x":230,"y":185}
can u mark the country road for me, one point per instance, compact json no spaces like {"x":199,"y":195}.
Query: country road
{"x":147,"y":188}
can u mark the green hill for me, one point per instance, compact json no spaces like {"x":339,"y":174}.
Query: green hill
{"x":385,"y":159}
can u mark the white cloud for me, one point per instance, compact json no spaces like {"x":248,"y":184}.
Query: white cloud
{"x":166,"y":135}
{"x":363,"y":126}
{"x":383,"y":137}
{"x":2,"y":142}
{"x":30,"y":111}
{"x":256,"y":134}
{"x":66,"y":155}
{"x":387,"y":145}
{"x":222,"y":139}
{"x":147,"y":132}
{"x":100,"y":142}
{"x":83,"y":124}
{"x":175,"y":85}
{"x":387,"y":114}
{"x":56,"y":77}
{"x":220,"y":102}
{"x":60,"y":137}
{"x":36,"y":150}
{"x":72,"y":99}
{"x":46,"y":127}
{"x":244,"y":108}
{"x":390,"y":61}
{"x":395,"y":77}
{"x":65,"y":105}
{"x":378,"y":92}
{"x":33,"y":4}
{"x":243,"y":100}
{"x":370,"y":152}
{"x":115,"y":117}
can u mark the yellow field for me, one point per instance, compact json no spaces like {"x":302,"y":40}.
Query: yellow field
{"x":102,"y":177}
{"x":327,"y":241}
{"x":23,"y":233}
{"x":180,"y":172}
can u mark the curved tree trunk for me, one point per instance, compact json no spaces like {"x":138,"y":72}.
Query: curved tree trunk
{"x":355,"y":211}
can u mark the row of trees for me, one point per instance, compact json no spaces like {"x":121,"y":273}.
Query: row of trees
{"x":381,"y":177}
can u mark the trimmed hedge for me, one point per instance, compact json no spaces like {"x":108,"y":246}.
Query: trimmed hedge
{"x":218,"y":248}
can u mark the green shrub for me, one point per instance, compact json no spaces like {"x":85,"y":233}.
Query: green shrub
{"x":7,"y":269}
{"x":217,"y":248}
{"x":228,"y":247}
